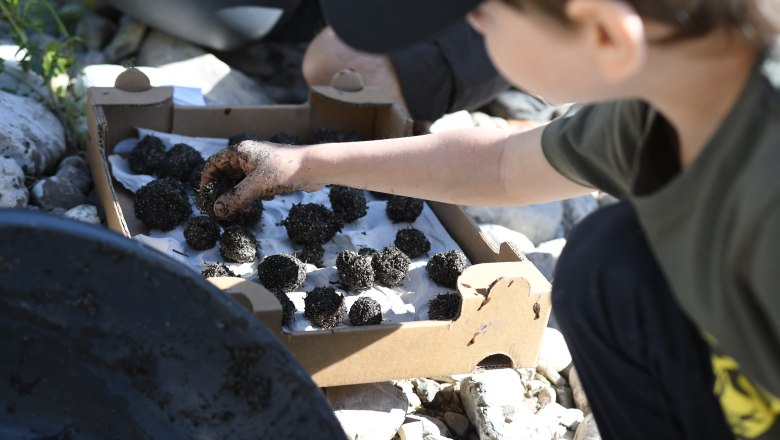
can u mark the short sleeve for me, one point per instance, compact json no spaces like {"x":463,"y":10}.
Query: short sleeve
{"x":597,"y":145}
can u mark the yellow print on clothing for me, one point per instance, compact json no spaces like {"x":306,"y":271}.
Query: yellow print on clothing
{"x":749,"y":409}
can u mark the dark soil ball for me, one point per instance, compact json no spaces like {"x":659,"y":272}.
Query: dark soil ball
{"x":311,"y":254}
{"x":311,"y":223}
{"x":445,"y":306}
{"x":193,"y":180}
{"x":365,"y":311}
{"x":240,"y":137}
{"x":217,"y":270}
{"x":444,"y":268}
{"x":349,"y":204}
{"x":206,"y":196}
{"x":412,"y":242}
{"x":180,"y":161}
{"x":403,"y":209}
{"x":355,"y":271}
{"x":324,"y":135}
{"x":284,"y":138}
{"x":288,"y":308}
{"x":201,"y":232}
{"x":147,"y":156}
{"x":162,"y":204}
{"x":281,"y":273}
{"x":390,"y":266}
{"x":237,"y":245}
{"x":324,"y":307}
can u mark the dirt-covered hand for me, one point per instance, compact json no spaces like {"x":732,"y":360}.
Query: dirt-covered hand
{"x":266,"y":169}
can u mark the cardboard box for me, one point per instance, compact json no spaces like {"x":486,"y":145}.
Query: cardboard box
{"x":506,"y":300}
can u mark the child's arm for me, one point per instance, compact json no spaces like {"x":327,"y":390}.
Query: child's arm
{"x":469,"y":167}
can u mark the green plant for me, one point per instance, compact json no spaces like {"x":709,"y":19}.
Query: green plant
{"x":46,"y":48}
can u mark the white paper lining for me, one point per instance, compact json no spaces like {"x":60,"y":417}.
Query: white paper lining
{"x":408,"y":302}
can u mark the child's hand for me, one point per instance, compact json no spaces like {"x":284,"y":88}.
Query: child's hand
{"x":268,"y":169}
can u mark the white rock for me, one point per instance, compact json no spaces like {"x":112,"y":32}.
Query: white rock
{"x":408,"y":389}
{"x":546,"y":396}
{"x":13,"y":193}
{"x":493,"y":401}
{"x":551,"y":373}
{"x":126,"y":40}
{"x":578,"y":392}
{"x":431,"y":425}
{"x":587,"y":430}
{"x":369,"y":411}
{"x":452,"y":121}
{"x":412,"y":430}
{"x":485,"y":120}
{"x":193,"y":67}
{"x":426,"y":389}
{"x":540,"y":223}
{"x":85,"y":213}
{"x":30,"y":133}
{"x":553,"y":351}
{"x":94,"y":30}
{"x":14,"y":79}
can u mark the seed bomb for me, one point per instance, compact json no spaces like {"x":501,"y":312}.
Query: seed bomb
{"x":403,"y":209}
{"x":201,"y":232}
{"x":349,"y":204}
{"x":209,"y":193}
{"x":412,"y":242}
{"x":281,"y":273}
{"x":311,"y":254}
{"x":288,"y":308}
{"x":445,"y":306}
{"x":324,"y":307}
{"x":237,"y":245}
{"x":390,"y":266}
{"x":444,"y":268}
{"x":355,"y":271}
{"x":217,"y":270}
{"x":162,"y":204}
{"x":365,"y":311}
{"x":311,"y":223}
{"x":147,"y":156}
{"x":179,"y":162}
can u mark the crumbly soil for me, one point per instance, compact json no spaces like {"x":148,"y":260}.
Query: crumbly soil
{"x":281,"y":273}
{"x":390,"y":266}
{"x":403,"y":209}
{"x":365,"y":311}
{"x":445,"y":306}
{"x":324,"y":307}
{"x":445,"y":267}
{"x":412,"y":242}
{"x":355,"y":271}
{"x":162,"y":204}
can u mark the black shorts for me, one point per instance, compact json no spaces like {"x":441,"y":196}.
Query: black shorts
{"x":449,"y":73}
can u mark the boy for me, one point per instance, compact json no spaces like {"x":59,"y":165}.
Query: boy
{"x":669,"y":300}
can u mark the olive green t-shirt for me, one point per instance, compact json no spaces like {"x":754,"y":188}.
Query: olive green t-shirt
{"x":713,"y":227}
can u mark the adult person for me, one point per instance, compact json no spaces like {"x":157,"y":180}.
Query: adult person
{"x":447,"y":73}
{"x":668,"y":299}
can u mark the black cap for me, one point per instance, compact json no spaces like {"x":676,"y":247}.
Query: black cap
{"x":388,"y":25}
